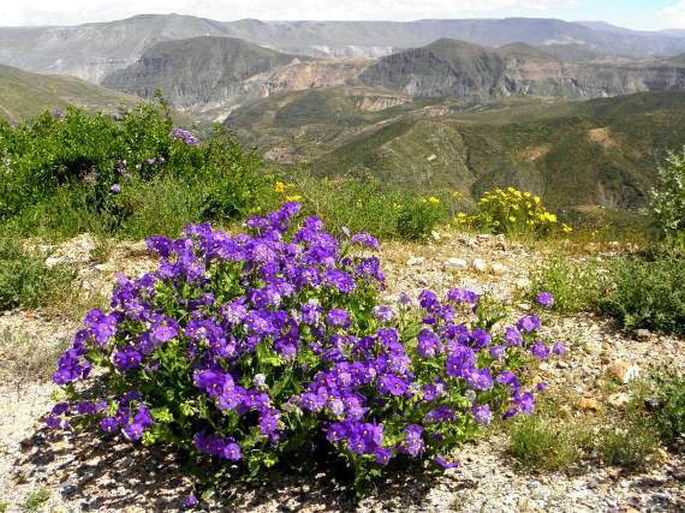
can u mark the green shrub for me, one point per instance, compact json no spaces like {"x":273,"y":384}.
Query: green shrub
{"x":362,"y":205}
{"x":25,"y":281}
{"x":62,"y":176}
{"x":667,"y":205}
{"x":632,"y":445}
{"x":541,"y":442}
{"x":576,"y":286}
{"x":667,"y":406}
{"x":418,"y":218}
{"x":647,"y":294}
{"x":36,"y":499}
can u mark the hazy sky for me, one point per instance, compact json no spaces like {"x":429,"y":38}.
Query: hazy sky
{"x":641,"y":14}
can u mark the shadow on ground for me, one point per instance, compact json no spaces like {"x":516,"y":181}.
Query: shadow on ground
{"x":96,"y":474}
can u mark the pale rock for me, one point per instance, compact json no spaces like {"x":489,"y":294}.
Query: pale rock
{"x":624,"y":372}
{"x":589,"y":404}
{"x":523,"y":306}
{"x":455,"y":263}
{"x":415,"y":261}
{"x":642,"y":335}
{"x":479,"y":265}
{"x":593,"y":347}
{"x":432,"y":157}
{"x":619,"y":399}
{"x":522,"y":283}
{"x":498,"y":268}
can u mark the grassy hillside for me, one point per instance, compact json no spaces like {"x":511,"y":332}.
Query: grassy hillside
{"x":24,"y":95}
{"x":601,"y":152}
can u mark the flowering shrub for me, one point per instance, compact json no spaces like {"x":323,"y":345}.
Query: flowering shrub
{"x":245,"y":350}
{"x":77,"y":172}
{"x":511,"y":211}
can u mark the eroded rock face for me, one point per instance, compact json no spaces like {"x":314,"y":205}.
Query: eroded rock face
{"x":299,"y":76}
{"x":450,"y":68}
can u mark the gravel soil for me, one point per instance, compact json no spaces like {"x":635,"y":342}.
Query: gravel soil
{"x":81,"y":472}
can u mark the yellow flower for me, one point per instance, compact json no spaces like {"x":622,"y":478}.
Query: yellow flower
{"x":536,"y":199}
{"x":457,"y":195}
{"x":280,"y":187}
{"x":433,"y":200}
{"x":526,"y":194}
{"x":566,"y":228}
{"x":512,"y":219}
{"x":296,"y":197}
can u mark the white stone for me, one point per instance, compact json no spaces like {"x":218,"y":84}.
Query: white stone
{"x":455,"y":263}
{"x":479,"y":265}
{"x":498,"y":268}
{"x":414,"y":261}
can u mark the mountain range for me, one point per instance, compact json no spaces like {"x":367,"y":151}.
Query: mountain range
{"x":433,"y":104}
{"x":93,"y":50}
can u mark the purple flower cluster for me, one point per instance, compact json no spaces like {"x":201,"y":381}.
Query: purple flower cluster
{"x":237,"y":345}
{"x":185,"y":136}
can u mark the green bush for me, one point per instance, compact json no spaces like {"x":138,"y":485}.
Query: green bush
{"x":418,"y":218}
{"x":25,"y":281}
{"x":667,"y":404}
{"x":135,"y":177}
{"x":538,"y":442}
{"x":576,"y":286}
{"x":647,"y":294}
{"x":362,"y":205}
{"x":667,"y":205}
{"x":631,"y":445}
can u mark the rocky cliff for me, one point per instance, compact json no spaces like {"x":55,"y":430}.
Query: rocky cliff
{"x":199,"y":73}
{"x":449,"y":68}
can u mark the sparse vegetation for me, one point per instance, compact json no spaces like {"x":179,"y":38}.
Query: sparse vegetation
{"x":36,"y":499}
{"x":647,"y":294}
{"x":576,"y":285}
{"x":25,"y":280}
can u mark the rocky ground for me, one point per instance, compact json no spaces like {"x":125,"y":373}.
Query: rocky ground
{"x":82,"y":473}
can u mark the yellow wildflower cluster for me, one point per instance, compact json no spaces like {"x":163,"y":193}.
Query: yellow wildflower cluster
{"x":433,"y":201}
{"x":511,"y":211}
{"x":282,"y":188}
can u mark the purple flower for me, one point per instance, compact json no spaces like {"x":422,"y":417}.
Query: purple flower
{"x":340,"y":280}
{"x":116,"y":188}
{"x":190,"y":501}
{"x":338,"y":317}
{"x":428,"y":343}
{"x":482,"y":414}
{"x":513,"y":336}
{"x":412,"y":445}
{"x":540,"y":350}
{"x":479,"y":379}
{"x":529,"y":323}
{"x":127,"y":359}
{"x":389,"y":384}
{"x":462,"y":296}
{"x":545,"y":299}
{"x":497,"y":352}
{"x":443,"y":463}
{"x":440,"y":414}
{"x":559,"y":348}
{"x":184,"y":136}
{"x":383,"y":313}
{"x":525,"y":401}
{"x":365,"y":239}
